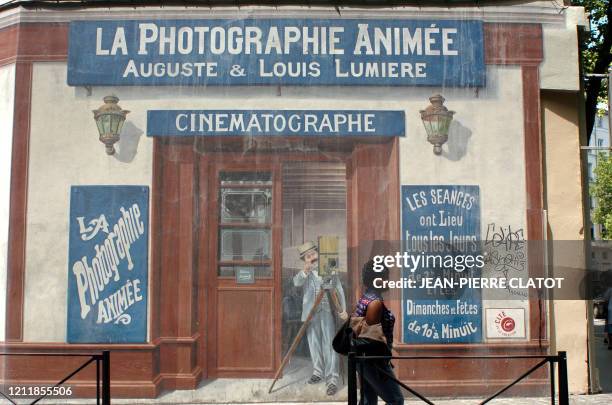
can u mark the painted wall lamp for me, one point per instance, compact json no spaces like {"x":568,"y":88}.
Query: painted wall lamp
{"x":437,"y":119}
{"x":109,"y":118}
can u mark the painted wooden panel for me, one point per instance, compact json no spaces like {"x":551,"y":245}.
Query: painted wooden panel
{"x":245,"y":329}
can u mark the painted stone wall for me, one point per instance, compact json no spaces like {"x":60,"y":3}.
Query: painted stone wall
{"x":485,"y":148}
{"x":7,"y":101}
{"x":561,"y":123}
{"x":65,"y":151}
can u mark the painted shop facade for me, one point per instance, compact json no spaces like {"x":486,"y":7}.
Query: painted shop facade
{"x":170,"y":233}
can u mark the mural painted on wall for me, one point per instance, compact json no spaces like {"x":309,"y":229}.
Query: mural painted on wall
{"x":441,"y":222}
{"x":108,"y":264}
{"x":277,"y":51}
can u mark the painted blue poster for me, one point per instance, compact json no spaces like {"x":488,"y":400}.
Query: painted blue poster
{"x":289,"y":51}
{"x":441,"y":225}
{"x":108,"y":264}
{"x":275,"y":123}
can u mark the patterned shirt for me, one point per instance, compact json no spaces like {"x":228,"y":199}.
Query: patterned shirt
{"x":387,"y":321}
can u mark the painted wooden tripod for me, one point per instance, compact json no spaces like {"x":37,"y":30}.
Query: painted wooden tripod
{"x":334,"y":299}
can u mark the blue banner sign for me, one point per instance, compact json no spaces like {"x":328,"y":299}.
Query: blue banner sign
{"x":441,"y":224}
{"x":312,"y":52}
{"x":275,"y":122}
{"x":108,"y":264}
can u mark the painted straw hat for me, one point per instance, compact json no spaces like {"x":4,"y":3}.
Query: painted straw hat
{"x":302,"y":249}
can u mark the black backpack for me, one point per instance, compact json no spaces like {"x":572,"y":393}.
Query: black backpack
{"x":345,"y":341}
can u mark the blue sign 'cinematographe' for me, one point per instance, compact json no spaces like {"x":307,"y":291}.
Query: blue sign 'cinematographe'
{"x":108,"y":266}
{"x":275,"y":122}
{"x":441,"y":221}
{"x":277,"y":51}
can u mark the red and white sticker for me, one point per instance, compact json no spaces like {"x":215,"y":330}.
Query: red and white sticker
{"x":505,"y":323}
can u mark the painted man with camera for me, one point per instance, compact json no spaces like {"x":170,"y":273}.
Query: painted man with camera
{"x":322,"y":327}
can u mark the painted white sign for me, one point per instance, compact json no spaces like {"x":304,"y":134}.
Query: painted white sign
{"x":505,"y":323}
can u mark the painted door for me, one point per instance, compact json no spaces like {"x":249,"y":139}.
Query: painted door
{"x":243,"y":300}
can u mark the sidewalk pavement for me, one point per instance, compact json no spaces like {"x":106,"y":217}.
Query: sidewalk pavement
{"x":599,"y":399}
{"x":292,"y":386}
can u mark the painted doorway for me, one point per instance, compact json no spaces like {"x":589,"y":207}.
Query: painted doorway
{"x":314,"y":210}
{"x":243,"y":324}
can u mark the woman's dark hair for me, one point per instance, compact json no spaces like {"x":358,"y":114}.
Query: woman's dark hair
{"x":368,"y":274}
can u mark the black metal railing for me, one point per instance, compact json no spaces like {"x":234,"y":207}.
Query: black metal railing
{"x":102,"y":361}
{"x":358,"y":362}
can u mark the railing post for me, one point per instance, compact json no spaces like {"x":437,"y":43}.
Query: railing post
{"x":563,"y":388}
{"x":352,"y":379}
{"x":106,"y":396}
{"x":553,"y":390}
